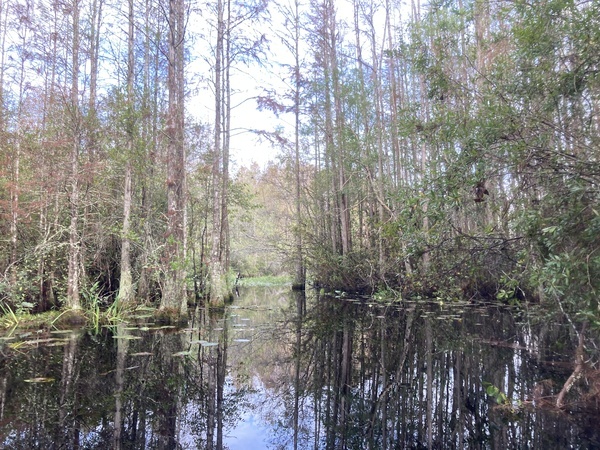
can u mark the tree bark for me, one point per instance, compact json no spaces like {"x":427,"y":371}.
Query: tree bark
{"x":174,"y":294}
{"x":74,"y":242}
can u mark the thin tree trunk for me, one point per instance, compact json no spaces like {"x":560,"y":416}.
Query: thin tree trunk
{"x":217,"y":281}
{"x":96,"y":20}
{"x":300,"y":273}
{"x":226,"y":101}
{"x":341,"y":195}
{"x":125,"y":281}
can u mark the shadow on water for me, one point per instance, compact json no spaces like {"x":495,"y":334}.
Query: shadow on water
{"x":278,"y":370}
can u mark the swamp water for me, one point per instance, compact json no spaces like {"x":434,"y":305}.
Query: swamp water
{"x":275,"y":370}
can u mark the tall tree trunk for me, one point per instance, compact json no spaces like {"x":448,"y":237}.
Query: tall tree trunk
{"x":226,"y":101}
{"x":149,"y":137}
{"x":174,"y":294}
{"x":218,"y":286}
{"x":300,"y":272}
{"x":14,"y":210}
{"x":74,"y":243}
{"x":95,"y":23}
{"x":16,"y":166}
{"x":332,"y":207}
{"x":125,"y":281}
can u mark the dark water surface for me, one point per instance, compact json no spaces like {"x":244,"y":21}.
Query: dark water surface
{"x":278,"y":371}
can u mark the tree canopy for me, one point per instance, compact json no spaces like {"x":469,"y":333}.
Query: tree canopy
{"x":431,"y":149}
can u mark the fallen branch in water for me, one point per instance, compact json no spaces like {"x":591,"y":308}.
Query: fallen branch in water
{"x":577,"y":372}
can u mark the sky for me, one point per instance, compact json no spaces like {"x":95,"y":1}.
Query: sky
{"x":247,"y":81}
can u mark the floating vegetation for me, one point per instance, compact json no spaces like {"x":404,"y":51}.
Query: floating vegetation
{"x":57,"y":343}
{"x":49,"y":342}
{"x":142,"y":316}
{"x":39,"y":380}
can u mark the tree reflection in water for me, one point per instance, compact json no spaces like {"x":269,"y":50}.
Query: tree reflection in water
{"x":277,"y":370}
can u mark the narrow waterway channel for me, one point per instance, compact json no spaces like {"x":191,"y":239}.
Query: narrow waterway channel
{"x":278,"y":370}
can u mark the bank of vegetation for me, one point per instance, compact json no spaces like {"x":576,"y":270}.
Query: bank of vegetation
{"x":441,"y":149}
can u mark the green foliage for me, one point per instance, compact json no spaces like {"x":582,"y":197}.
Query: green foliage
{"x":492,"y":391}
{"x":509,"y":290}
{"x":8,"y":318}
